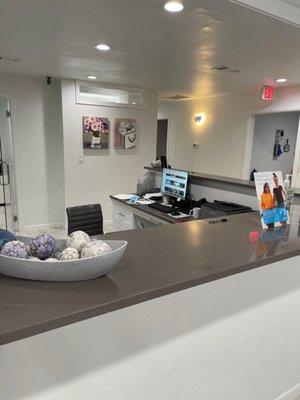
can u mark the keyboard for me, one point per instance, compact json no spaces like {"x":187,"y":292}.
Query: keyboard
{"x":161,"y":207}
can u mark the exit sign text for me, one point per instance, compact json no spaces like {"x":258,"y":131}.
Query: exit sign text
{"x":268,"y":93}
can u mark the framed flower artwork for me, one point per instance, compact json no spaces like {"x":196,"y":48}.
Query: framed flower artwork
{"x":96,"y":132}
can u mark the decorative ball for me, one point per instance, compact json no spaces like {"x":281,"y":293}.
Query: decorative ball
{"x":95,"y":248}
{"x":69,"y":254}
{"x":14,"y":249}
{"x":56,"y":254}
{"x":43,"y":246}
{"x":52,"y":260}
{"x":78,"y":240}
{"x":31,"y":258}
{"x":6,"y":236}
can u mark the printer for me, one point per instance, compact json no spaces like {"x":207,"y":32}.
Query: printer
{"x":222,"y":208}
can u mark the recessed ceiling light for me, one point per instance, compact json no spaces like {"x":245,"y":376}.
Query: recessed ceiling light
{"x":92,"y":77}
{"x":174,"y":6}
{"x":103,"y":47}
{"x":281,"y":80}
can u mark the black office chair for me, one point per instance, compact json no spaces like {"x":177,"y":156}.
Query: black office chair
{"x":87,"y":218}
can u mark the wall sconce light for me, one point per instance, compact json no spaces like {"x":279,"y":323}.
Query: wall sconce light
{"x":200,"y":119}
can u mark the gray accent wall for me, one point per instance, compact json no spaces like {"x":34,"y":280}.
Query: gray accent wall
{"x":264,"y":139}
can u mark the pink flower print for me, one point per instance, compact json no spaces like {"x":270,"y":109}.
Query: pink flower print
{"x":95,"y":127}
{"x":104,"y":127}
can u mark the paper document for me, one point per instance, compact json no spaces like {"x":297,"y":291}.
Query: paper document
{"x":182,"y":215}
{"x":145,"y":202}
{"x":148,"y":195}
{"x":123,"y":196}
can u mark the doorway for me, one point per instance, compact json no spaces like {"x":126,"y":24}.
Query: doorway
{"x":274,"y":142}
{"x":162,"y":138}
{"x":8,"y":209}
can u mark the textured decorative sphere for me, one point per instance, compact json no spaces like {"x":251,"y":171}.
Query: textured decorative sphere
{"x":31,"y":258}
{"x":69,"y":254}
{"x":6,"y":236}
{"x":43,"y":246}
{"x":52,"y":260}
{"x":14,"y":249}
{"x":78,"y":240}
{"x":95,"y":248}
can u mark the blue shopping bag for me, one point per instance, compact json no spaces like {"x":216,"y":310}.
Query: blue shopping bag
{"x":269,"y":216}
{"x":279,"y":214}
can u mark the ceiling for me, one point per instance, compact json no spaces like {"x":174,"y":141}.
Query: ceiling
{"x":295,"y":3}
{"x":150,"y":47}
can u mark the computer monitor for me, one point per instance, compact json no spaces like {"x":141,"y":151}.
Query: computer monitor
{"x":174,"y":183}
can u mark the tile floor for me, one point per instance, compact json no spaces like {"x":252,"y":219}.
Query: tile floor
{"x":60,"y":233}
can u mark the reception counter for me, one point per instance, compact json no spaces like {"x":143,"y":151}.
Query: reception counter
{"x":192,"y":311}
{"x":158,"y":261}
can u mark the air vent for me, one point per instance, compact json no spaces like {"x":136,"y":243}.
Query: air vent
{"x":10,"y":59}
{"x":221,"y":67}
{"x":226,"y":69}
{"x":176,"y":97}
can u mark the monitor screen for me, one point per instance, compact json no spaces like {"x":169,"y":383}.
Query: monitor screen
{"x":174,"y":183}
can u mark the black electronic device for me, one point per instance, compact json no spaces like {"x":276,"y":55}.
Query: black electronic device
{"x":161,"y":207}
{"x":221,"y":208}
{"x":174,"y":183}
{"x":163,"y":160}
{"x":175,"y":213}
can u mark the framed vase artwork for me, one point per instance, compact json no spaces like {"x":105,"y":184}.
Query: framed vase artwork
{"x":125,"y":133}
{"x":96,"y":132}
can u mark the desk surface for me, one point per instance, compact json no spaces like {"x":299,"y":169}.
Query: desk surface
{"x":151,"y":211}
{"x":158,"y":261}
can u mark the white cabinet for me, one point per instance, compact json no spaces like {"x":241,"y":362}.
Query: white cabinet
{"x":126,"y":217}
{"x":122,"y":217}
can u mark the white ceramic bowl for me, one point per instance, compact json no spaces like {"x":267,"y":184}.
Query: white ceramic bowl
{"x":63,"y":271}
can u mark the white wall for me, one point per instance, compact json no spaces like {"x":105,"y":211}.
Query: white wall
{"x":221,"y":139}
{"x":38,"y":148}
{"x":104,"y":172}
{"x":264,"y":139}
{"x":226,"y":136}
{"x":236,"y":339}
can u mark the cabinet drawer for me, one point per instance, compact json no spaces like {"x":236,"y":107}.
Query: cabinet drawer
{"x":123,"y":216}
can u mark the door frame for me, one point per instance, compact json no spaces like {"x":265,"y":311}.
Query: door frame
{"x":168,"y":136}
{"x":16,"y":159}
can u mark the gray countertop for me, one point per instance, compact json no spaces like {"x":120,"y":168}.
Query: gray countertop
{"x":215,"y":178}
{"x":158,"y":261}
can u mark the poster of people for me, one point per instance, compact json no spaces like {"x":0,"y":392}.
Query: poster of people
{"x":272,"y":199}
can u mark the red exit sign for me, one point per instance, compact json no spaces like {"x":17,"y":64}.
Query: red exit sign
{"x":268,"y":93}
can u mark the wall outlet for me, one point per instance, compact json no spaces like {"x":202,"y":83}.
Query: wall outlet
{"x":80,"y":159}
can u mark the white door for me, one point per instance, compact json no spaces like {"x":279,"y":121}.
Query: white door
{"x":7,"y":180}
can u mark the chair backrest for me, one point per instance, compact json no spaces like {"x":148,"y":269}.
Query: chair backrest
{"x":86,"y":218}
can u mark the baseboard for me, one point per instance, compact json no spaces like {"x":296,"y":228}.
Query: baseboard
{"x":292,"y":394}
{"x":57,"y":225}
